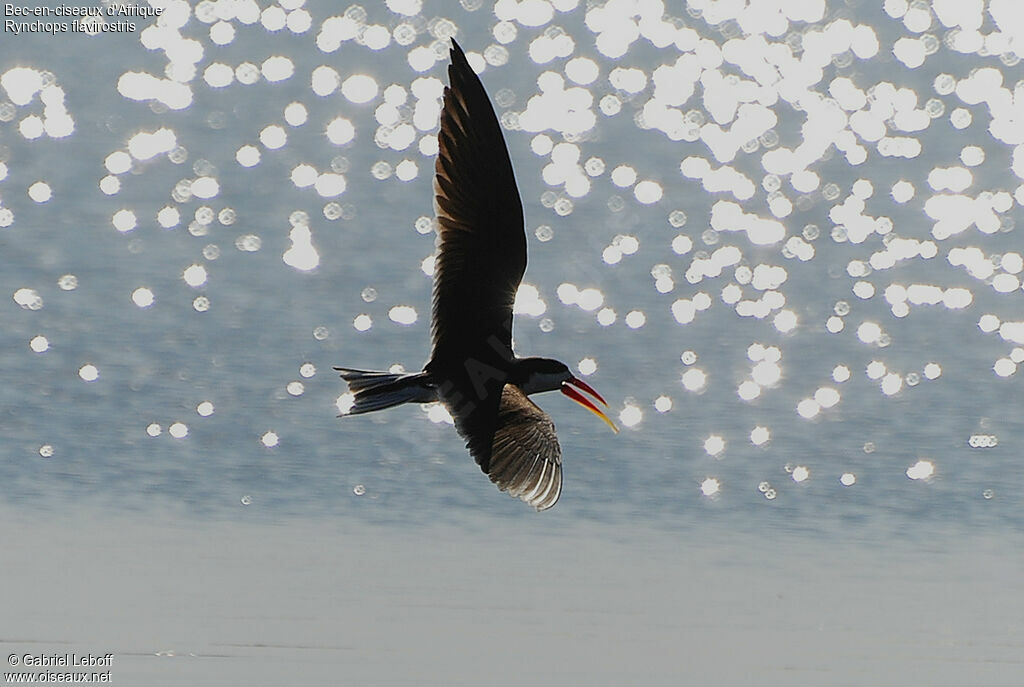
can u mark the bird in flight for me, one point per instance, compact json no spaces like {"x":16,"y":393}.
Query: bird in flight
{"x":480,"y":262}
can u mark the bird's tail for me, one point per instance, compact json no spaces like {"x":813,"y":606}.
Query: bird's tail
{"x":379,"y":390}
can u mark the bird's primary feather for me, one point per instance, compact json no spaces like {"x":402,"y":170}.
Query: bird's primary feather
{"x":526,"y":460}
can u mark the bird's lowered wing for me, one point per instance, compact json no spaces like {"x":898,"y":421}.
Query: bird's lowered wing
{"x":526,"y":460}
{"x":481,"y":242}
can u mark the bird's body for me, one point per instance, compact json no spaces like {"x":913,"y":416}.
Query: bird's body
{"x":480,"y":262}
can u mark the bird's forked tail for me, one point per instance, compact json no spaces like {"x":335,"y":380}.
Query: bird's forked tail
{"x":375,"y":390}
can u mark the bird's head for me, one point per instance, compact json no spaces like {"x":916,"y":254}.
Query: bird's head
{"x":535,"y":375}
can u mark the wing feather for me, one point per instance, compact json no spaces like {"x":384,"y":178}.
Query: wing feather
{"x":481,"y":257}
{"x":481,"y":242}
{"x":526,"y":460}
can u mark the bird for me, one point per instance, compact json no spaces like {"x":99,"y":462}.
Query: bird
{"x":479,"y":264}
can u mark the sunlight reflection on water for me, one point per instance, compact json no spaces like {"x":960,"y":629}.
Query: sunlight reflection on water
{"x":816,"y":202}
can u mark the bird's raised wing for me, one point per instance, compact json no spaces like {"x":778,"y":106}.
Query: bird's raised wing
{"x":480,"y":260}
{"x":526,"y":460}
{"x":481,"y":242}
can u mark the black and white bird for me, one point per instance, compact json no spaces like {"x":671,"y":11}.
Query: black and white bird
{"x":480,"y":262}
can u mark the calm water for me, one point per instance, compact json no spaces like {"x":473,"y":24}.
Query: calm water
{"x":817,"y":347}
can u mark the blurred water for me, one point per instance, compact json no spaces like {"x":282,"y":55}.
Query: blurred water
{"x":193,"y":413}
{"x":506,"y":600}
